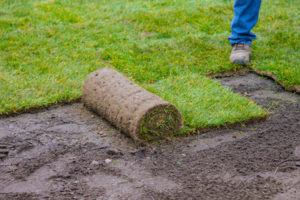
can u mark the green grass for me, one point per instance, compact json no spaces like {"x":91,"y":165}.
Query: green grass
{"x":47,"y":48}
{"x":278,"y":46}
{"x":203,"y":101}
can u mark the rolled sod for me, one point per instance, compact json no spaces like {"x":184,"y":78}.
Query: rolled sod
{"x":133,"y":110}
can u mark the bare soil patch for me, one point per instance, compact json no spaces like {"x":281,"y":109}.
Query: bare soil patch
{"x":67,"y":152}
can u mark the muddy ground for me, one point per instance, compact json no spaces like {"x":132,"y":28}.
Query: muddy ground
{"x":67,"y":152}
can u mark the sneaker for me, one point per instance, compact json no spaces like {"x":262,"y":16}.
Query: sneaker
{"x":240,"y":54}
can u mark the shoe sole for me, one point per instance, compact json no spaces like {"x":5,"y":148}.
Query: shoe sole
{"x":240,"y":62}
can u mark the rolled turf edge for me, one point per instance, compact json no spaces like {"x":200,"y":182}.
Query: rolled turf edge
{"x":133,"y":110}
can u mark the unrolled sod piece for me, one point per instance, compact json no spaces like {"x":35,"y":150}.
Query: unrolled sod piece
{"x":132,"y":109}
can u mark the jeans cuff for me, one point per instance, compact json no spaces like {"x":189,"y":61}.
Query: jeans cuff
{"x":249,"y":42}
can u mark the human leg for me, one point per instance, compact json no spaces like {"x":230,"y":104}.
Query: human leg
{"x":245,"y":18}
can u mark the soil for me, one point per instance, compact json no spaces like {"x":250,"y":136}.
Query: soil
{"x":68,"y":152}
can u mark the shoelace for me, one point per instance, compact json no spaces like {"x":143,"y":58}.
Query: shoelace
{"x":240,"y":46}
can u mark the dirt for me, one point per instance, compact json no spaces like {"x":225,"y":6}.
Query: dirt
{"x":129,"y":107}
{"x":67,"y":152}
{"x":267,"y":74}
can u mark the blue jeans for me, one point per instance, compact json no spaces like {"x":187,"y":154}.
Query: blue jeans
{"x":245,"y":17}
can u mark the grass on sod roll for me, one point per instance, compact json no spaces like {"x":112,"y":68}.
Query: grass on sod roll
{"x":48,"y":47}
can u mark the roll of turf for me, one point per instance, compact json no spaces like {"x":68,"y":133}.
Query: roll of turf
{"x":133,"y":110}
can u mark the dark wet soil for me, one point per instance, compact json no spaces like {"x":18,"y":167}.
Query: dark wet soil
{"x":66,"y":152}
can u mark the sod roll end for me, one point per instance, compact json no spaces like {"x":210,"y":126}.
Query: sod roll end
{"x":132,"y":109}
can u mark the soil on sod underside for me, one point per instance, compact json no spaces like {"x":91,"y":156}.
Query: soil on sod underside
{"x":67,"y":152}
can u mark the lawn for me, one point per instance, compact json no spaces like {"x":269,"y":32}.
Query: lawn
{"x":47,"y":49}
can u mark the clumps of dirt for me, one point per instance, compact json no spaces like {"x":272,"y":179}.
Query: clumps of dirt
{"x":83,"y":165}
{"x":20,"y":196}
{"x":132,"y":109}
{"x":3,"y":151}
{"x":216,"y":188}
{"x":37,"y":159}
{"x":74,"y":189}
{"x":15,"y":145}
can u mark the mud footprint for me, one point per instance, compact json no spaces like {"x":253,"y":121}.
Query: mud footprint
{"x":4,"y":150}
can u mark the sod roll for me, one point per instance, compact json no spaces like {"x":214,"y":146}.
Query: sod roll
{"x":132,"y":109}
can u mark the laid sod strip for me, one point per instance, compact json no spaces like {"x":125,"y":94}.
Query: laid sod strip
{"x":132,"y":109}
{"x":277,"y":49}
{"x":204,"y":102}
{"x":47,"y":48}
{"x":292,"y":88}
